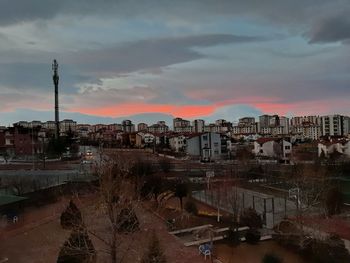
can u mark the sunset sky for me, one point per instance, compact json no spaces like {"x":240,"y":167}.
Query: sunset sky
{"x":188,"y":58}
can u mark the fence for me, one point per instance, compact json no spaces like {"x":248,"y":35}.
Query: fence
{"x":272,"y":209}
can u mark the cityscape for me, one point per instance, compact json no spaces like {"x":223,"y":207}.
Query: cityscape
{"x":174,"y":132}
{"x":322,"y":135}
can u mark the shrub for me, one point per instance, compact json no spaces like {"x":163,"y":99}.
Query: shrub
{"x":250,"y":218}
{"x":77,"y":249}
{"x":127,"y":221}
{"x":71,"y":217}
{"x":252,"y":236}
{"x":233,"y":237}
{"x":291,"y":241}
{"x":152,"y":187}
{"x":181,"y":190}
{"x":165,"y":165}
{"x":271,"y":258}
{"x":287,"y":226}
{"x":141,"y":168}
{"x":334,"y":201}
{"x":191,"y":207}
{"x":331,"y":250}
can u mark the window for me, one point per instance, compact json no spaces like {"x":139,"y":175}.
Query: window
{"x":216,"y":144}
{"x":287,"y":147}
{"x":205,"y":137}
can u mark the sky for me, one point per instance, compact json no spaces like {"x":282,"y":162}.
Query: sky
{"x":185,"y":58}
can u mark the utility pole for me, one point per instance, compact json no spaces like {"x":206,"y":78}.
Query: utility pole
{"x":55,"y":79}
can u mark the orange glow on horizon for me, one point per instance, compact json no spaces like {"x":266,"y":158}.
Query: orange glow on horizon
{"x":265,"y":105}
{"x":186,"y":111}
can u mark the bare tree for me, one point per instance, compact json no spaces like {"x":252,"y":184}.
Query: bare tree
{"x":117,"y":202}
{"x":310,"y":184}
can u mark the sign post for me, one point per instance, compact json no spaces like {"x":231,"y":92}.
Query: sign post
{"x":209,"y":174}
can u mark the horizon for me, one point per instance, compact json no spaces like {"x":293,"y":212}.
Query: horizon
{"x":149,"y":118}
{"x":225,"y":60}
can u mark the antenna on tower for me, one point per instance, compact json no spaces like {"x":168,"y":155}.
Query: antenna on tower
{"x":55,"y":79}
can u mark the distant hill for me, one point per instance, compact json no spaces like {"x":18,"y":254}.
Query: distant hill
{"x":8,"y":118}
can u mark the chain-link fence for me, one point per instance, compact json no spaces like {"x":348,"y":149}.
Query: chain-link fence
{"x":272,"y":209}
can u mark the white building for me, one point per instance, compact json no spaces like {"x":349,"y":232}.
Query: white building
{"x":245,"y":126}
{"x":328,"y":147}
{"x":335,"y":125}
{"x":273,"y":148}
{"x":207,"y":146}
{"x":178,"y":143}
{"x":313,"y":132}
{"x":301,"y":120}
{"x":50,"y":125}
{"x":66,"y":125}
{"x":273,"y":125}
{"x":144,"y":139}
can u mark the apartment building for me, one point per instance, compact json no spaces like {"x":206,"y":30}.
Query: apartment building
{"x":335,"y":125}
{"x":128,"y":126}
{"x":198,"y":126}
{"x":66,"y":125}
{"x":181,"y":125}
{"x":142,"y":127}
{"x":159,"y":127}
{"x":246,"y":125}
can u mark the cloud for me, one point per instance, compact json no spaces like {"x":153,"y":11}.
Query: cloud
{"x":333,"y":29}
{"x":150,"y":54}
{"x":288,"y":11}
{"x":10,"y":99}
{"x":38,"y":76}
{"x":174,"y":53}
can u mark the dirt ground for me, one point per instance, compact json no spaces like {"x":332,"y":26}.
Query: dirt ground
{"x":39,"y":241}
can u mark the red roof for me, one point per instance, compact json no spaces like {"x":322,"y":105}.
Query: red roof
{"x":263,"y":140}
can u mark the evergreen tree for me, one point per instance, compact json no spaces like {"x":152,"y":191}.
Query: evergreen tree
{"x":181,"y":191}
{"x":77,"y":249}
{"x":71,"y":217}
{"x":154,"y":254}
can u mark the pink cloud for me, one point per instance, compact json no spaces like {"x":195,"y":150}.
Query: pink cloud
{"x":264,"y":104}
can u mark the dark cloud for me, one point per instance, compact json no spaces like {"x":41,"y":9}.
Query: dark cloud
{"x":334,"y":29}
{"x":32,"y":70}
{"x":322,"y":16}
{"x":150,"y":54}
{"x":37,"y":76}
{"x":291,"y":11}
